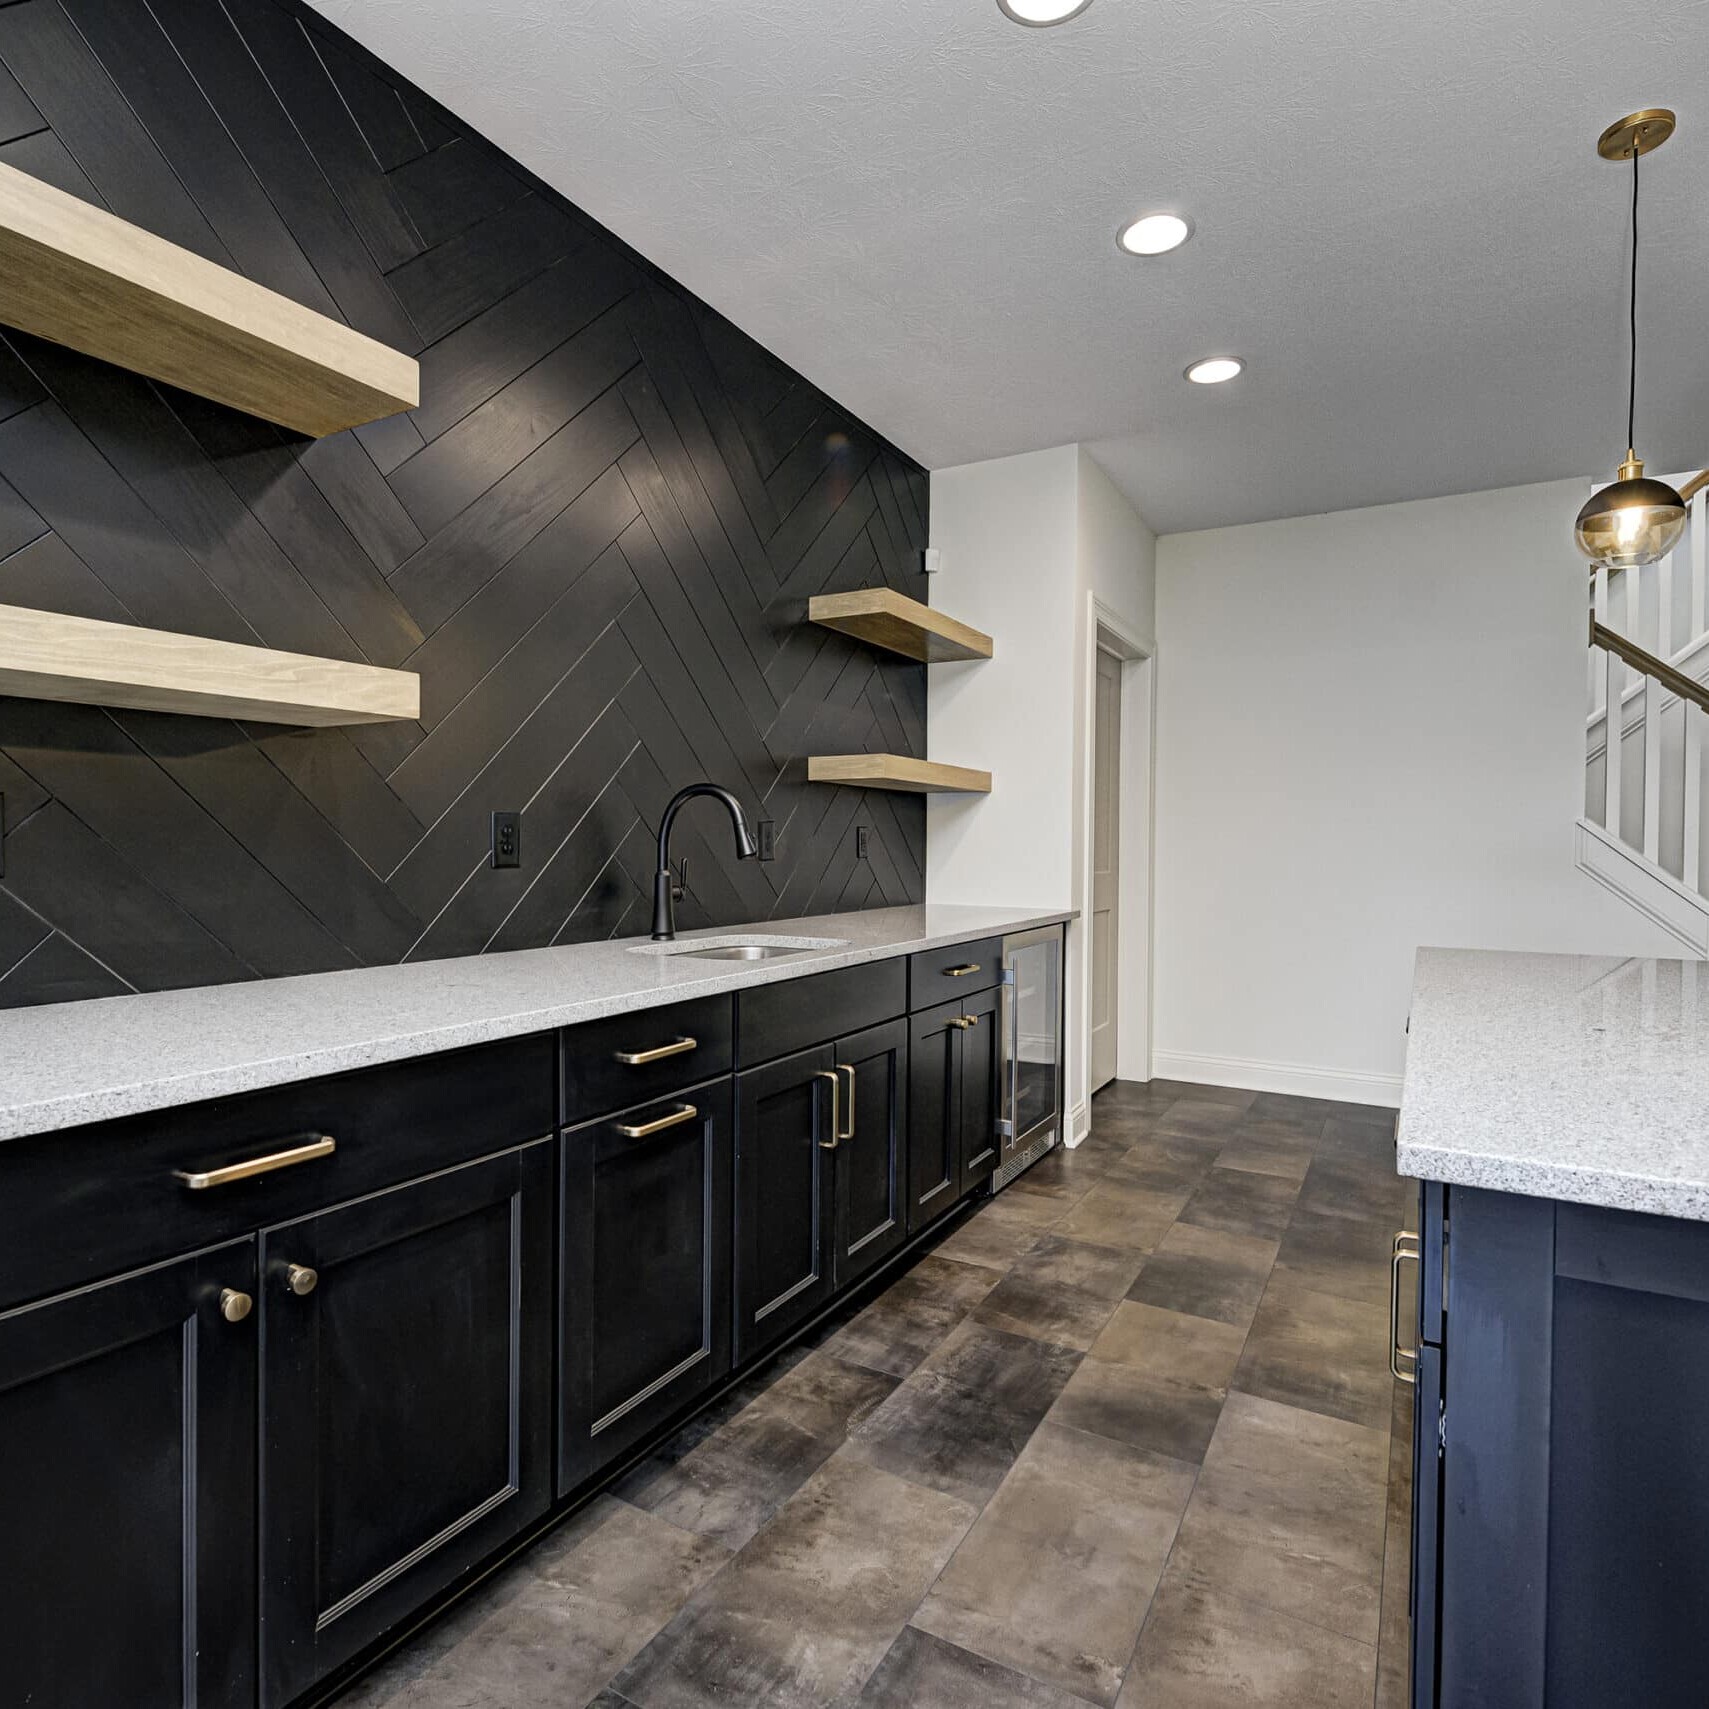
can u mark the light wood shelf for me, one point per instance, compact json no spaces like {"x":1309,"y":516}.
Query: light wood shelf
{"x":898,"y":771}
{"x":80,"y":276}
{"x":892,"y":620}
{"x":46,"y":656}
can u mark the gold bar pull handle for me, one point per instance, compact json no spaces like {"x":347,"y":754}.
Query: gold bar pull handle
{"x":306,"y":1151}
{"x":962,"y":971}
{"x":640,"y":1058}
{"x":836,"y":1108}
{"x":846,"y":1131}
{"x":960,"y":1022}
{"x":1407,"y":1245}
{"x":644,"y":1130}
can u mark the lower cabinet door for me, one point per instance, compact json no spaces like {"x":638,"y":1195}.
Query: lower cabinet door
{"x":406,"y":1381}
{"x":934,"y":1114}
{"x":127,"y":1490}
{"x":981,"y":1101}
{"x":872,"y":1149}
{"x":784,"y":1261}
{"x":646,"y":1272}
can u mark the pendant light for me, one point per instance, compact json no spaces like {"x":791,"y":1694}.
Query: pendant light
{"x":1636,"y":520}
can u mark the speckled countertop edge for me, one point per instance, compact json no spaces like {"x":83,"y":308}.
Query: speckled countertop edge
{"x":1573,"y":1077}
{"x":66,"y":1065}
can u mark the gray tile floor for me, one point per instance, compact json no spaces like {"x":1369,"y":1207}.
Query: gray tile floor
{"x":1126,"y":1437}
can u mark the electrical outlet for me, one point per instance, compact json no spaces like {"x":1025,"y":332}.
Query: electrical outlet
{"x":507,"y":839}
{"x":862,"y":832}
{"x":768,"y":839}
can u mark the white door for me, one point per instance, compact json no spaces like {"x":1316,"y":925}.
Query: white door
{"x":1106,"y":862}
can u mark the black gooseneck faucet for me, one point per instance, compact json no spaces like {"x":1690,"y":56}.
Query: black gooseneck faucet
{"x":664,"y":880}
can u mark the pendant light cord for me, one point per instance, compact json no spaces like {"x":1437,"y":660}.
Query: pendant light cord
{"x":1632,"y":382}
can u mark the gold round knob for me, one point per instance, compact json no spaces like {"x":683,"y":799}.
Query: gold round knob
{"x":235,"y":1306}
{"x":300,"y":1279}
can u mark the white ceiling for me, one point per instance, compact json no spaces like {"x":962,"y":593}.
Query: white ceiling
{"x":1401,"y":220}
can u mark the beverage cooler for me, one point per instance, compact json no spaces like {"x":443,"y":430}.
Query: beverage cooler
{"x":1031,"y":1079}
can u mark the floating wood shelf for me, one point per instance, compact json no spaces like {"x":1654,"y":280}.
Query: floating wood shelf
{"x":903,"y":625}
{"x":898,"y":771}
{"x":80,"y":276}
{"x":45,"y":656}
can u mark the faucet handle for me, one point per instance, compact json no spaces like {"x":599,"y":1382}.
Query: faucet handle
{"x":679,"y":888}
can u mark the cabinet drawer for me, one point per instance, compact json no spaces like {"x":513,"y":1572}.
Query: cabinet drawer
{"x":946,"y":975}
{"x":777,"y":1020}
{"x":678,"y":1046}
{"x":95,"y":1201}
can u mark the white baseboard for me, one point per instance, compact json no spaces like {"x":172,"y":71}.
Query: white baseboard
{"x":1079,"y":1123}
{"x":1295,"y":1078}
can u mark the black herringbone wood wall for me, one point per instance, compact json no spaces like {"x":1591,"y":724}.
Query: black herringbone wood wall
{"x":595,"y":541}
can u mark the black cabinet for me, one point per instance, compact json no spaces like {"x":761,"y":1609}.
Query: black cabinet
{"x":127,"y":1489}
{"x":872,"y":1148}
{"x":784,"y":1134}
{"x":406,"y":1376}
{"x":645,"y":1315}
{"x":954,"y":1062}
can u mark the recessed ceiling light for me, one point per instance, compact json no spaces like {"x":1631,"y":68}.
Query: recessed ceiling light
{"x":1214,"y":370}
{"x":1154,"y":234}
{"x":1041,"y":12}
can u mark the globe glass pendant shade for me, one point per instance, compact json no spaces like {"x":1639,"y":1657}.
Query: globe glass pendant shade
{"x":1635,"y":521}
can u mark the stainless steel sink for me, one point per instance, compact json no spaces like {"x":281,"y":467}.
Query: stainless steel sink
{"x":740,"y":952}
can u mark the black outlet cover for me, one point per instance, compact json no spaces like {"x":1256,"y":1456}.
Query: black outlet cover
{"x":862,"y":833}
{"x":768,"y":839}
{"x":507,"y":839}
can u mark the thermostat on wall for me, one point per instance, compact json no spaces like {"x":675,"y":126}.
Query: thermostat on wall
{"x":934,"y":560}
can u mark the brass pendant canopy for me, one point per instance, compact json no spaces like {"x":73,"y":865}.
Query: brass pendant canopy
{"x":1637,"y":133}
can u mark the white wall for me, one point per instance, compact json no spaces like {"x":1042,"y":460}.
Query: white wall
{"x":1371,"y":736}
{"x":1024,"y":541}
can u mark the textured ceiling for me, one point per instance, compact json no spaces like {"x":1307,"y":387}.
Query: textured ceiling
{"x":1401,"y":222}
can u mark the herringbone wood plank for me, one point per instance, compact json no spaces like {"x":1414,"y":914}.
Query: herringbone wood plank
{"x":595,"y":539}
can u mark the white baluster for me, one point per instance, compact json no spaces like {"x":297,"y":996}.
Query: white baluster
{"x":1652,"y":769}
{"x":1691,"y":856}
{"x":1614,"y":677}
{"x":1599,"y":664}
{"x":1699,"y":558}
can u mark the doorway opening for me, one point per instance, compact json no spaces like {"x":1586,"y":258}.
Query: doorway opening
{"x":1117,"y":882}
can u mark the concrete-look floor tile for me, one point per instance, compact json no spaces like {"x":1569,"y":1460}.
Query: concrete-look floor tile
{"x":996,"y":1234}
{"x":1341,"y":1255}
{"x":1201,"y":1650}
{"x":735,"y":1480}
{"x":1288,"y":1512}
{"x":1207,"y":1273}
{"x":806,"y":1612}
{"x":1175,"y":1091}
{"x":1319,"y":1351}
{"x":912,"y":1315}
{"x":1117,"y":1214}
{"x":1168,"y":1163}
{"x":1394,"y":1634}
{"x":1154,"y":1379}
{"x":1055,"y":1578}
{"x":958,"y":1423}
{"x":1370,"y":1189}
{"x":1046,"y":1310}
{"x":1107,"y":1271}
{"x":923,"y":1672}
{"x":1199,"y":1117}
{"x":609,"y":1699}
{"x":554,"y":1628}
{"x":1266,"y":1154}
{"x":1238,"y":1201}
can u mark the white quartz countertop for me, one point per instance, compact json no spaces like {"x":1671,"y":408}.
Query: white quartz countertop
{"x":70,"y":1063}
{"x":1561,"y":1076}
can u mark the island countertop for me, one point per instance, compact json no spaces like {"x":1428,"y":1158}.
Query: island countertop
{"x":1560,"y":1076}
{"x":67,"y":1064}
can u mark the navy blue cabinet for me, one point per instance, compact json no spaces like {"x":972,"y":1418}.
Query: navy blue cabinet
{"x":1561,"y":1538}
